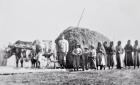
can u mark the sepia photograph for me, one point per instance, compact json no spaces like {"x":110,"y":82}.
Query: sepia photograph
{"x":69,"y":42}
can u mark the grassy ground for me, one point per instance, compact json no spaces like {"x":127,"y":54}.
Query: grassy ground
{"x":100,"y":77}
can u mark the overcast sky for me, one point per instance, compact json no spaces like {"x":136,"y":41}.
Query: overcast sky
{"x":46,"y":19}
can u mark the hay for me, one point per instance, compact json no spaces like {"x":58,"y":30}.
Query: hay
{"x":83,"y":36}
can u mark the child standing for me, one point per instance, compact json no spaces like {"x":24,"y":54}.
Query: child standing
{"x":77,"y":52}
{"x":92,"y":58}
{"x":85,"y":57}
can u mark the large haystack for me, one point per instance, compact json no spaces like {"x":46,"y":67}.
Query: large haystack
{"x":83,"y":36}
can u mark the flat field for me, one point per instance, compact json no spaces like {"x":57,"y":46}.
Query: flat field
{"x":90,"y":77}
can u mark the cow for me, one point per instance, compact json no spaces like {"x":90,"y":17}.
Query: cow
{"x":15,"y":51}
{"x":19,"y":51}
{"x":34,"y":53}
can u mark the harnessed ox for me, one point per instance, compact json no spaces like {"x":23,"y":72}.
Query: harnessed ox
{"x":20,"y":51}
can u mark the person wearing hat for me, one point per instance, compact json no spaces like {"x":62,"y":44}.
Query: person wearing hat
{"x":77,"y":52}
{"x":85,"y":57}
{"x":92,"y":57}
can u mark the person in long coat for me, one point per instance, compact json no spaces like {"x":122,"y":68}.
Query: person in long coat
{"x":100,"y":59}
{"x":136,"y":50}
{"x":128,"y":60}
{"x":119,"y":55}
{"x":111,"y":52}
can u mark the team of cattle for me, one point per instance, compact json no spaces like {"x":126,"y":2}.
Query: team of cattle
{"x":30,"y":52}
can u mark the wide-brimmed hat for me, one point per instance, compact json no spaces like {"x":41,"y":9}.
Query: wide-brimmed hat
{"x":86,"y":47}
{"x":92,"y":46}
{"x":77,"y":44}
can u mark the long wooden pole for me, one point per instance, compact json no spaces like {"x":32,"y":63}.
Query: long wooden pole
{"x":81,"y":17}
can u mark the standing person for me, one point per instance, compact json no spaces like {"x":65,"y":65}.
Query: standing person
{"x":119,"y":55}
{"x":136,"y":50}
{"x":77,"y":52}
{"x":85,"y":57}
{"x":128,"y":60}
{"x":111,"y":52}
{"x":38,"y":53}
{"x":92,"y":58}
{"x":38,"y":56}
{"x":106,"y":50}
{"x":100,"y":59}
{"x":62,"y":50}
{"x":105,"y":46}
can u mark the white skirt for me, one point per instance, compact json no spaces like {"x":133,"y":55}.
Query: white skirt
{"x":100,"y":59}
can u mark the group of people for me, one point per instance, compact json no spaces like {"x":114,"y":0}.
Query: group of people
{"x":93,"y":57}
{"x":103,"y":56}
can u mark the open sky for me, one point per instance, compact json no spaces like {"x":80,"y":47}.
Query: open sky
{"x":46,"y":19}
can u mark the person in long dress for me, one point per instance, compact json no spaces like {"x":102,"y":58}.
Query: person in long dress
{"x":100,"y":59}
{"x":119,"y":55}
{"x":111,"y":52}
{"x":106,"y":50}
{"x":136,"y":50}
{"x":128,"y":60}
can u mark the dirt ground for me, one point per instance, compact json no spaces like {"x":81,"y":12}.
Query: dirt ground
{"x":91,"y":77}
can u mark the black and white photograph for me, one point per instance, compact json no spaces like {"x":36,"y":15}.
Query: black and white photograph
{"x":69,"y":42}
